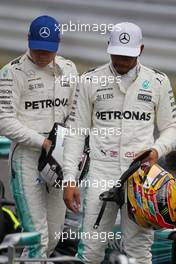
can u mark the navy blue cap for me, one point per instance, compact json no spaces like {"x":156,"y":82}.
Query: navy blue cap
{"x":44,"y":34}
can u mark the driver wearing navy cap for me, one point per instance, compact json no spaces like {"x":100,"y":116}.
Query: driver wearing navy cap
{"x":34,"y":98}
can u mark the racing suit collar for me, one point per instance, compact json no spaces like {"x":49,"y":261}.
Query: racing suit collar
{"x":130,"y":73}
{"x":53,"y":65}
{"x":128,"y":78}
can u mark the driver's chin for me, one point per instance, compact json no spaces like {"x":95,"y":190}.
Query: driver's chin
{"x":122,"y":70}
{"x":42,"y":64}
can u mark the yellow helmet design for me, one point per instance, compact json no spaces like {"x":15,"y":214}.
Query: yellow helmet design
{"x":152,"y":198}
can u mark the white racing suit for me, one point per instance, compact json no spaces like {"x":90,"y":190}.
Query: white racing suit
{"x":31,"y":100}
{"x":121,"y":124}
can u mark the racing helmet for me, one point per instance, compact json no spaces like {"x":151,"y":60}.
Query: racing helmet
{"x":152,"y":198}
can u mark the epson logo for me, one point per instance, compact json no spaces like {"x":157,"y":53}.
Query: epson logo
{"x":110,"y":115}
{"x":46,"y":103}
{"x":145,"y":97}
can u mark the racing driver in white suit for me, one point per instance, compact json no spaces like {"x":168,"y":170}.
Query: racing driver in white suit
{"x":35,"y":90}
{"x":130,"y":106}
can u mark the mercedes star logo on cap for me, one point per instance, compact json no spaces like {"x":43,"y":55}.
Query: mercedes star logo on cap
{"x":124,"y":38}
{"x":44,"y":32}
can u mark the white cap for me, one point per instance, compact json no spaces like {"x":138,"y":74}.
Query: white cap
{"x":125,"y":40}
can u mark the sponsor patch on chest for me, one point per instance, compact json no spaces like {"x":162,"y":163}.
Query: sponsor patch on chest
{"x":102,"y":97}
{"x":144,"y":97}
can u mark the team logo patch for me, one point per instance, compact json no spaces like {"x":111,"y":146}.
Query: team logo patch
{"x":144,"y":97}
{"x":44,"y":32}
{"x":129,"y":154}
{"x":64,"y":83}
{"x":146,"y":84}
{"x":101,"y":97}
{"x":113,"y":115}
{"x":124,"y":38}
{"x":31,"y":73}
{"x":5,"y":73}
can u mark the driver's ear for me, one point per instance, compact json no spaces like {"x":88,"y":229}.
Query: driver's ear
{"x":142,"y":48}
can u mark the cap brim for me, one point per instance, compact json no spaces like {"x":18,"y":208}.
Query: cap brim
{"x":131,"y":52}
{"x":43,"y":45}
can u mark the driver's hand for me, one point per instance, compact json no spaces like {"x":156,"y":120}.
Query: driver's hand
{"x":72,"y":197}
{"x":47,"y":144}
{"x":152,"y":158}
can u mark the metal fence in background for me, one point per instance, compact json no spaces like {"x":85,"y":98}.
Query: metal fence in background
{"x":156,"y":18}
